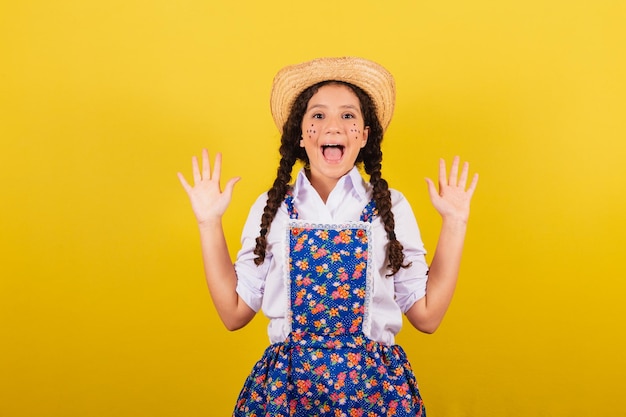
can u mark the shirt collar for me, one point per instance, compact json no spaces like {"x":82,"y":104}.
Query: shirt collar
{"x":352,"y":179}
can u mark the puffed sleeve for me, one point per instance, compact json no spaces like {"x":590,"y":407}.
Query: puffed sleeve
{"x":250,"y":277}
{"x":409,"y":283}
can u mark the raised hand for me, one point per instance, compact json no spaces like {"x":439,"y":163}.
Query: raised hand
{"x":208,"y":201}
{"x":452,"y":200}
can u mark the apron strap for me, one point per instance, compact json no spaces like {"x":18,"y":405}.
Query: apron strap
{"x":369,"y":213}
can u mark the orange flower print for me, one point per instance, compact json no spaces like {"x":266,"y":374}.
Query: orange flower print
{"x":319,"y":253}
{"x":335,"y":257}
{"x":303,"y":281}
{"x":301,"y":319}
{"x":280,"y":400}
{"x":340,"y":398}
{"x":339,"y":384}
{"x":333,"y":312}
{"x":358,"y":270}
{"x":318,"y":308}
{"x":373,"y":399}
{"x":402,"y":389}
{"x":359,"y":253}
{"x":335,"y":358}
{"x":303,"y":264}
{"x":320,"y":269}
{"x":303,"y":385}
{"x":356,"y":412}
{"x":358,"y":308}
{"x":319,"y":324}
{"x":344,"y":236}
{"x":322,"y":234}
{"x":353,"y":359}
{"x":356,"y":325}
{"x":299,"y":297}
{"x":342,"y":292}
{"x":320,"y":289}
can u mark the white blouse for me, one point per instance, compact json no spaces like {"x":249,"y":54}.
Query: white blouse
{"x":263,"y":287}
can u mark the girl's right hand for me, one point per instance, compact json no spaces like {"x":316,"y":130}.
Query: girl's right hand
{"x":208,"y":201}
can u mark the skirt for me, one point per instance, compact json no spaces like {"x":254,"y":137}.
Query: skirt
{"x":307,"y":376}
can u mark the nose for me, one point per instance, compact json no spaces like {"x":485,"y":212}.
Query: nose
{"x":332,"y":126}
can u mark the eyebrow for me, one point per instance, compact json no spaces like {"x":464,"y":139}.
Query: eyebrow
{"x":324,"y":106}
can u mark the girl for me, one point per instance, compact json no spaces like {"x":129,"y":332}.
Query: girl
{"x":336,"y":260}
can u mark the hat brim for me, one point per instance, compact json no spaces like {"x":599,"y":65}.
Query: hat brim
{"x":373,"y":78}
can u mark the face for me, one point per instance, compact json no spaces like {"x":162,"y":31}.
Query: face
{"x":333,"y":133}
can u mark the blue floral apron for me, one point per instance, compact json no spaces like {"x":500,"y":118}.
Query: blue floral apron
{"x":327,"y":366}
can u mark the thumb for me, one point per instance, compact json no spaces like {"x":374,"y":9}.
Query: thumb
{"x":230,"y":185}
{"x":432,"y":190}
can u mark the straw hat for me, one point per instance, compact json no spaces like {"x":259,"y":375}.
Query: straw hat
{"x":375,"y":80}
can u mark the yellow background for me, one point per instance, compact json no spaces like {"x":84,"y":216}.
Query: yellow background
{"x":103,"y":307}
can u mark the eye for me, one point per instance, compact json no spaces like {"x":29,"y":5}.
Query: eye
{"x":348,"y":116}
{"x":317,"y":116}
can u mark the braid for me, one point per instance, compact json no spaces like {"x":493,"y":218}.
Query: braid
{"x":275,"y":197}
{"x":371,"y":156}
{"x":290,"y":152}
{"x":382,"y":197}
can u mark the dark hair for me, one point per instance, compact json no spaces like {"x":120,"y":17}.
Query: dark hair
{"x":370,"y":156}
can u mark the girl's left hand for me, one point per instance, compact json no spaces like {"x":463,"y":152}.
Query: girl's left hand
{"x":453,"y":199}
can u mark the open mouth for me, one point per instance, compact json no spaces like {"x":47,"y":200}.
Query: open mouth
{"x":332,"y":152}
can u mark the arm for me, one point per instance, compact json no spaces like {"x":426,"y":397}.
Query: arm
{"x":209,"y":204}
{"x":453,"y":204}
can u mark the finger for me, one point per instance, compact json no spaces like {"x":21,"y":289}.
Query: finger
{"x":443,"y":181}
{"x":432,"y":190}
{"x":217,"y":166}
{"x":464,"y":173}
{"x":230,"y":185}
{"x":195,"y":170}
{"x":473,"y":185}
{"x":454,"y":171}
{"x":206,"y":165}
{"x":184,"y":182}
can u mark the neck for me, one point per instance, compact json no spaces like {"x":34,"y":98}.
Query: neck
{"x":323,"y":186}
